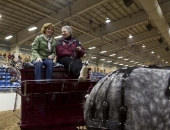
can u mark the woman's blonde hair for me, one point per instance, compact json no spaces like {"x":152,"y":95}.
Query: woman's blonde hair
{"x":45,"y":26}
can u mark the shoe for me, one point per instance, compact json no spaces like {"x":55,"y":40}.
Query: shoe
{"x":83,"y":74}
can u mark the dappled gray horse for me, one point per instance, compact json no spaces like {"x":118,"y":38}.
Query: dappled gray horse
{"x":130,"y":99}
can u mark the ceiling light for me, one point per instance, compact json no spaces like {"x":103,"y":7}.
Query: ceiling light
{"x":139,"y":64}
{"x":120,"y":57}
{"x":103,"y":51}
{"x":152,"y":52}
{"x":158,"y":56}
{"x":120,"y":64}
{"x":126,"y":59}
{"x":166,"y":62}
{"x":107,"y":20}
{"x":136,"y":62}
{"x":102,"y":59}
{"x":131,"y":66}
{"x":0,"y":16}
{"x":58,"y":37}
{"x":142,"y":65}
{"x":109,"y":61}
{"x":112,"y":54}
{"x":131,"y":61}
{"x":130,"y":36}
{"x":116,"y":63}
{"x":8,"y":37}
{"x":93,"y":57}
{"x":32,"y":28}
{"x":143,"y":46}
{"x":92,"y":48}
{"x":126,"y":65}
{"x":163,"y":60}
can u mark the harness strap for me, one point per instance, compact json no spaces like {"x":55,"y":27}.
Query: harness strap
{"x":167,"y":91}
{"x":92,"y":105}
{"x":122,"y":109}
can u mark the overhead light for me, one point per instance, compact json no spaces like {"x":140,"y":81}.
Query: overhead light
{"x":0,"y":16}
{"x":136,"y":62}
{"x":58,"y":37}
{"x":126,"y":59}
{"x":139,"y":64}
{"x":143,"y":46}
{"x":163,"y":60}
{"x":107,"y":20}
{"x":112,"y":54}
{"x":130,"y":36}
{"x":116,"y":63}
{"x":152,"y":52}
{"x":131,"y":66}
{"x":131,"y":61}
{"x":158,"y":56}
{"x":126,"y":65}
{"x":120,"y":57}
{"x":102,"y":59}
{"x":8,"y":37}
{"x":166,"y":62}
{"x":92,"y":48}
{"x":120,"y":64}
{"x":32,"y":28}
{"x":93,"y":57}
{"x":103,"y":51}
{"x":109,"y":61}
{"x":142,"y":65}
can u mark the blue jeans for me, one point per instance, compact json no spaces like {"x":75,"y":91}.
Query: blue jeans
{"x":48,"y":64}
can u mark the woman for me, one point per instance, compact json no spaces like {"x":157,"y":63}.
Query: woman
{"x":69,"y":51}
{"x":43,"y":51}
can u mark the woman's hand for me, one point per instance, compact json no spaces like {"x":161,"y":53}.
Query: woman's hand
{"x":38,"y":60}
{"x":78,"y":48}
{"x":50,"y":57}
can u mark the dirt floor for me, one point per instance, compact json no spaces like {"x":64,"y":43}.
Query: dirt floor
{"x":9,"y":120}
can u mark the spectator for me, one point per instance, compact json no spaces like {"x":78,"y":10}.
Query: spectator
{"x":4,"y":55}
{"x":13,"y":79}
{"x":1,"y":77}
{"x":19,"y":57}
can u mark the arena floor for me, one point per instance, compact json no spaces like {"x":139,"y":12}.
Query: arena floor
{"x":9,"y":120}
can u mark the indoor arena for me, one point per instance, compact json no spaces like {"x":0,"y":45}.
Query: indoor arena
{"x":84,"y":64}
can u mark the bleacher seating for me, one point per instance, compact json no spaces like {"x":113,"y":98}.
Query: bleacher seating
{"x":5,"y":83}
{"x":96,"y":76}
